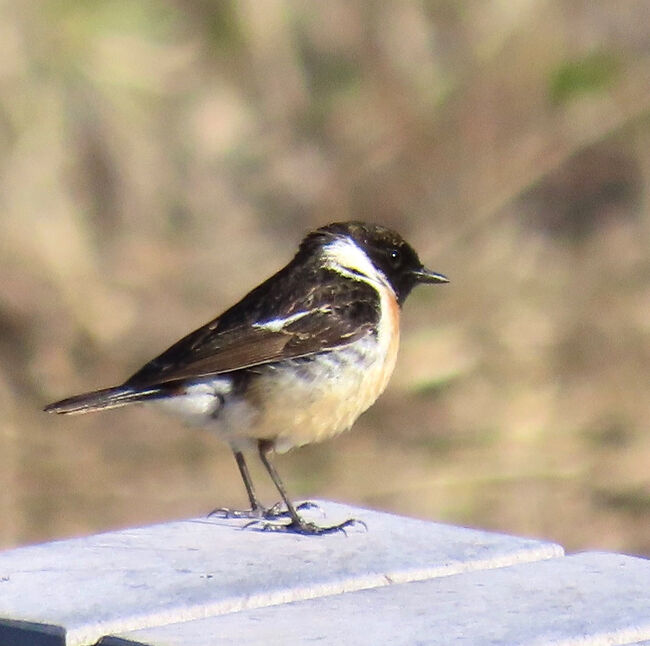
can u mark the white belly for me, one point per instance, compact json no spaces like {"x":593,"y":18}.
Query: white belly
{"x":301,"y":402}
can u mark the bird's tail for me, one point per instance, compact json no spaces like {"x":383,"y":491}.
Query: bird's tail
{"x":103,"y":399}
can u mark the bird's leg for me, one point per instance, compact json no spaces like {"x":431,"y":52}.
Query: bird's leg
{"x":297,"y":524}
{"x":257,"y":510}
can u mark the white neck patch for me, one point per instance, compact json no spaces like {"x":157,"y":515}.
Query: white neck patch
{"x":344,"y":256}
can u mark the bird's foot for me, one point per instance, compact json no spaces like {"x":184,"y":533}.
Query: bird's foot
{"x":224,"y":512}
{"x":300,"y":526}
{"x":261,"y":513}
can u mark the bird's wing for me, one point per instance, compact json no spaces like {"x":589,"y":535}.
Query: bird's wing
{"x":217,"y":347}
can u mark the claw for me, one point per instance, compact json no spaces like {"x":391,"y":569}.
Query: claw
{"x":259,"y":513}
{"x":311,"y":505}
{"x":303,"y":527}
{"x":224,"y":512}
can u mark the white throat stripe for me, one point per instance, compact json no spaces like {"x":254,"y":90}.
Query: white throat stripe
{"x":348,"y":259}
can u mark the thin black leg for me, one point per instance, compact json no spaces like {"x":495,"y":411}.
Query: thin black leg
{"x":248,"y":483}
{"x":265,"y":448}
{"x":297,"y":525}
{"x":257,"y":510}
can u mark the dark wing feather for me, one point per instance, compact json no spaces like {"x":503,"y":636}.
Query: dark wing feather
{"x":337,"y":310}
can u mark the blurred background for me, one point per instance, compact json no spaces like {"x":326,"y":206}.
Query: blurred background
{"x":160,"y":158}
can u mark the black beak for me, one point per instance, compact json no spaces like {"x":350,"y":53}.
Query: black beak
{"x":424,"y":275}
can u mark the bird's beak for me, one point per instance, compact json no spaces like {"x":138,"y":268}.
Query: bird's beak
{"x":424,"y":275}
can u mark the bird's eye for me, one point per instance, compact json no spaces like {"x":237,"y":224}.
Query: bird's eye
{"x":395,"y":257}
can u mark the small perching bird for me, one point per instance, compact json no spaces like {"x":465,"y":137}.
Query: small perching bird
{"x":296,"y":361}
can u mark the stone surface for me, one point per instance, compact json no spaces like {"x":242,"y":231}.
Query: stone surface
{"x":588,"y":599}
{"x":77,"y":591}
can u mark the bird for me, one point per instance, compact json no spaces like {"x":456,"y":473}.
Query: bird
{"x":296,"y":361}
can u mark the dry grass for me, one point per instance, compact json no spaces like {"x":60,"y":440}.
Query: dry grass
{"x":160,"y":158}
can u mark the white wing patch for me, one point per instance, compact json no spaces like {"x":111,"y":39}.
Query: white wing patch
{"x":276,"y":325}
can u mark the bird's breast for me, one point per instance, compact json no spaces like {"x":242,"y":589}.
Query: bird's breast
{"x":299,"y":401}
{"x":302,"y":401}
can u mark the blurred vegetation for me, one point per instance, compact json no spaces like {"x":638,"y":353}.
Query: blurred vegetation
{"x":159,"y":158}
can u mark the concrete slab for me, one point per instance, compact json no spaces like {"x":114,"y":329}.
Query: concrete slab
{"x":591,"y":599}
{"x":82,"y":589}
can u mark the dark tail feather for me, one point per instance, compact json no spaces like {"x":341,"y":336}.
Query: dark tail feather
{"x":101,"y":399}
